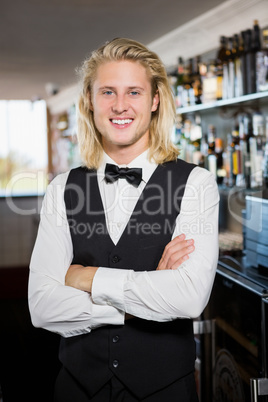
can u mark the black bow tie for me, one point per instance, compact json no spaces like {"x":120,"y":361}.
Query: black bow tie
{"x":132,"y":175}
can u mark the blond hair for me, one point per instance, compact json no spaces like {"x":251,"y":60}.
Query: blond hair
{"x":161,"y":148}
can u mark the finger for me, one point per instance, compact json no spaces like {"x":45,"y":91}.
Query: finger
{"x":174,"y":242}
{"x":174,"y":257}
{"x":178,"y":258}
{"x":176,"y":251}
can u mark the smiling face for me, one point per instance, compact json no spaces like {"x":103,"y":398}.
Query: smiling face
{"x":122,"y":103}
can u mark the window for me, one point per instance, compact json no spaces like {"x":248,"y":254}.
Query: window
{"x":23,"y":148}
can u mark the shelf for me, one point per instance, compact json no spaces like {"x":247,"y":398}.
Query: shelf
{"x":223,"y":102}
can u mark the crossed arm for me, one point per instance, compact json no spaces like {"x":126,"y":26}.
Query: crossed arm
{"x":176,"y":252}
{"x":100,"y":296}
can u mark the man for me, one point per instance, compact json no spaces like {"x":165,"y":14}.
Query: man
{"x":127,"y":246}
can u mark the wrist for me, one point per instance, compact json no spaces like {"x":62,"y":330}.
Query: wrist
{"x":88,"y":278}
{"x":80,"y":277}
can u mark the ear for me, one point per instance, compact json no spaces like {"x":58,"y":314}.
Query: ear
{"x":155,"y":102}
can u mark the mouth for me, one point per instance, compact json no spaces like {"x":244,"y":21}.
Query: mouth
{"x":121,"y":123}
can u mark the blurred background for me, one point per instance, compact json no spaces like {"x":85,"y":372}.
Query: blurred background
{"x":42,"y":43}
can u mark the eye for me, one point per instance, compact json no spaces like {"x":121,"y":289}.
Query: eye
{"x":107,"y":92}
{"x":134,"y":93}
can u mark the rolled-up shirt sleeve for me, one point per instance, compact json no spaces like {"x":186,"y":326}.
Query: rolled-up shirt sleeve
{"x":54,"y":306}
{"x":170,"y":294}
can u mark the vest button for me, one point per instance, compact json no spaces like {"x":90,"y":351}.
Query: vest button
{"x":115,"y":338}
{"x":115,"y":363}
{"x":115,"y":259}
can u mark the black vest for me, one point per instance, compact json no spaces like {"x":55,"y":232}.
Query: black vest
{"x":145,"y":355}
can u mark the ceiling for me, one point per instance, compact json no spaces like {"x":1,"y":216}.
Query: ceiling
{"x":43,"y":41}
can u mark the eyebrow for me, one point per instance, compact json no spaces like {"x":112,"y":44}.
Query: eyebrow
{"x":114,"y":88}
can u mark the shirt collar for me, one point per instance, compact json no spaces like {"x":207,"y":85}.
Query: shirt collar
{"x":140,"y":161}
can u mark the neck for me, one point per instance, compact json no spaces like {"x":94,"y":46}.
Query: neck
{"x":124,"y":155}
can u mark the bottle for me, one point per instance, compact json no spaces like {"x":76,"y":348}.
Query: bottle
{"x":209,"y":83}
{"x":256,"y":37}
{"x":196,"y":79}
{"x":226,"y":162}
{"x":243,"y":45}
{"x":248,"y":134}
{"x":179,"y":83}
{"x":238,"y":66}
{"x":253,"y":46}
{"x":244,"y":149}
{"x":257,"y":150}
{"x":262,"y":64}
{"x":195,"y":137}
{"x":237,"y":156}
{"x":221,"y":173}
{"x":231,"y":54}
{"x":186,"y":90}
{"x":250,"y":62}
{"x":189,"y":147}
{"x":221,"y":59}
{"x":212,"y":158}
{"x":204,"y":151}
{"x":188,"y":83}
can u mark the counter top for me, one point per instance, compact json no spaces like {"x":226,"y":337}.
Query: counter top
{"x":238,"y":270}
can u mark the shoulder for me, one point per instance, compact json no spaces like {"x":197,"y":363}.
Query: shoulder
{"x":59,"y":180}
{"x":79,"y":174}
{"x":179,"y":164}
{"x":178,"y":167}
{"x":202,"y":183}
{"x":201,"y":175}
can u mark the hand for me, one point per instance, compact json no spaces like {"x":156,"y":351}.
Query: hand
{"x":80,"y":277}
{"x":176,"y":252}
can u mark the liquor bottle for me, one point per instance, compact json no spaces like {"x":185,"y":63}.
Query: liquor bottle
{"x":221,"y":173}
{"x":250,"y":62}
{"x":196,"y":129}
{"x":257,"y":150}
{"x":237,"y":156}
{"x":196,"y":79}
{"x":262,"y":65}
{"x":246,"y":135}
{"x":231,"y":54}
{"x":244,"y":148}
{"x":195,"y":137}
{"x":188,"y":83}
{"x":238,"y":65}
{"x":243,"y":45}
{"x":179,"y":83}
{"x":256,"y":36}
{"x":185,"y":92}
{"x":253,"y":46}
{"x":221,"y":59}
{"x":204,"y":151}
{"x":228,"y":162}
{"x":209,"y":83}
{"x":212,"y":158}
{"x":225,"y":54}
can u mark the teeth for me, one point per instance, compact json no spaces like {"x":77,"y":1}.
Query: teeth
{"x":125,"y":121}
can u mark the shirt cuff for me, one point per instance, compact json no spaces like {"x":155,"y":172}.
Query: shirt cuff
{"x":108,"y":287}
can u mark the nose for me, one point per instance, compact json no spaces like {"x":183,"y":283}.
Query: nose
{"x":120,"y":104}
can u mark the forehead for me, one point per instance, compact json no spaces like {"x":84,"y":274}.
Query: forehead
{"x":123,"y":72}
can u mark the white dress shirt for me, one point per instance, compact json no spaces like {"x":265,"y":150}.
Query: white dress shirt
{"x":152,"y":295}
